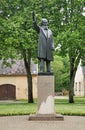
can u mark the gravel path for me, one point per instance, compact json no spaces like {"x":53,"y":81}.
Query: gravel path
{"x":22,"y":123}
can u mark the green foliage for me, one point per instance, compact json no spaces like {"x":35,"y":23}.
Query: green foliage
{"x":17,"y":37}
{"x":65,"y":19}
{"x":16,"y":29}
{"x":71,"y":38}
{"x":61,"y":71}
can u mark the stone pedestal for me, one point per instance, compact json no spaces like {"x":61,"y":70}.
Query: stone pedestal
{"x":46,"y":99}
{"x":45,"y":94}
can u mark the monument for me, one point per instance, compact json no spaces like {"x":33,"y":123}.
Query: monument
{"x":45,"y":76}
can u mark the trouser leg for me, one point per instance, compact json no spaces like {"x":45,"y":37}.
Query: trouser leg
{"x":48,"y":66}
{"x":41,"y":65}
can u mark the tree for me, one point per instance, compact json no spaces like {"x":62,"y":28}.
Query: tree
{"x":17,"y":36}
{"x":66,"y":22}
{"x":72,"y":39}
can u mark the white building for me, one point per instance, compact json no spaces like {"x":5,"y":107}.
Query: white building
{"x":79,"y":84}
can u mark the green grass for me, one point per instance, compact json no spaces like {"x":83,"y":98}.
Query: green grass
{"x":22,"y":108}
{"x":61,"y":106}
{"x":78,"y":108}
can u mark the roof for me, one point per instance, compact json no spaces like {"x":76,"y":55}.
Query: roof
{"x":18,"y":68}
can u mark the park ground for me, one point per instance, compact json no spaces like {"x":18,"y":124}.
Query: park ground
{"x":14,"y":115}
{"x":62,"y":106}
{"x":22,"y":123}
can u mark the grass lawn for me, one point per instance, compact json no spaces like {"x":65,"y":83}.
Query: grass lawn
{"x":61,"y":106}
{"x":78,"y":108}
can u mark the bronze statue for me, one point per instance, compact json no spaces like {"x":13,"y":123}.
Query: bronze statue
{"x":45,"y":44}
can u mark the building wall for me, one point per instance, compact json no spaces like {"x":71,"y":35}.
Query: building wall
{"x":79,"y":88}
{"x":79,"y":83}
{"x":84,"y":85}
{"x":21,"y":85}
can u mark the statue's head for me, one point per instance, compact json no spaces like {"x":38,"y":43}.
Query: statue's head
{"x":44,"y":22}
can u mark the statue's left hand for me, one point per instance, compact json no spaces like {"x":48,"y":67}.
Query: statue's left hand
{"x":33,"y":16}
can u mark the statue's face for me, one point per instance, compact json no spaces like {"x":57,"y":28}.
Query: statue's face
{"x":44,"y":22}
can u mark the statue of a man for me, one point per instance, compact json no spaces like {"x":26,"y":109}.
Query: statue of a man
{"x":45,"y":44}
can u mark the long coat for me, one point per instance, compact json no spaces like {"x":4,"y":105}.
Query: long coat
{"x":45,"y":43}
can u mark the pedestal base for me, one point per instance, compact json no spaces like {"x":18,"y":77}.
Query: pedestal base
{"x":46,"y":117}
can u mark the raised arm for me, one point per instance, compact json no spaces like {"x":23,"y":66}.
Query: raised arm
{"x":36,"y":27}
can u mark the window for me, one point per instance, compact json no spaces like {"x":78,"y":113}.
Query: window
{"x":76,"y":86}
{"x":79,"y":86}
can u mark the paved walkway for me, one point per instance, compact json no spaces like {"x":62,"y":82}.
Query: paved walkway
{"x":22,"y":123}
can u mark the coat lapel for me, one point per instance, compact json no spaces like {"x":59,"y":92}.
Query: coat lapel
{"x":43,"y":31}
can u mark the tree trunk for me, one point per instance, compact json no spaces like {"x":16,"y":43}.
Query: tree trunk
{"x":30,"y":92}
{"x":27,"y":62}
{"x":71,"y":90}
{"x":72,"y":76}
